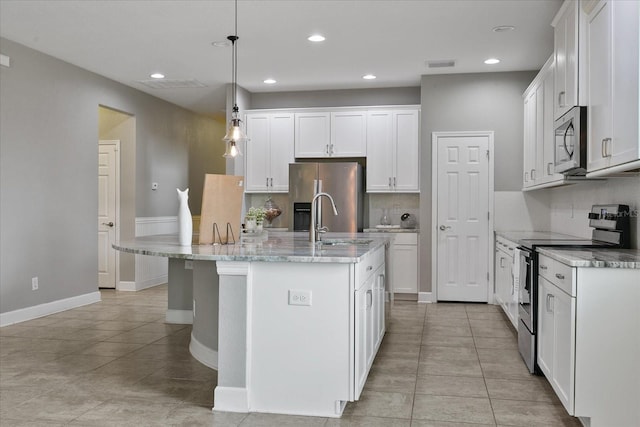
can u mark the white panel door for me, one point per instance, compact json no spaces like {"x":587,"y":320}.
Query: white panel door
{"x":107,"y":212}
{"x":462,"y":218}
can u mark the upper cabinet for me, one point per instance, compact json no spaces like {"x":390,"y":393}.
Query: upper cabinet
{"x":539,"y":131}
{"x":269,"y":151}
{"x":393,"y":151}
{"x":331,"y":134}
{"x":612,"y":83}
{"x":566,"y":42}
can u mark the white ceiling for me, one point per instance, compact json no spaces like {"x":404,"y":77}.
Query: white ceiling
{"x":127,"y":40}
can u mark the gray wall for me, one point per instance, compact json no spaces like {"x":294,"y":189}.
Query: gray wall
{"x":337,"y":98}
{"x":48,"y":170}
{"x":471,"y":102}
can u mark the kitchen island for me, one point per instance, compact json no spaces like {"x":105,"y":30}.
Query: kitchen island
{"x":291,"y":327}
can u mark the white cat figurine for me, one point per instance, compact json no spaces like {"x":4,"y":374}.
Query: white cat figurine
{"x":185,"y":222}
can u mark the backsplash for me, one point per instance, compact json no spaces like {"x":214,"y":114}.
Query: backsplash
{"x":570,"y":205}
{"x":395,"y":204}
{"x":521,"y":211}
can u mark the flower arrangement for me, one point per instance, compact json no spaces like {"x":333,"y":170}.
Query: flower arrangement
{"x":256,"y":213}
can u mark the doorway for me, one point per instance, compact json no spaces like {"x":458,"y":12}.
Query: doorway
{"x":462,"y":203}
{"x":108,"y":212}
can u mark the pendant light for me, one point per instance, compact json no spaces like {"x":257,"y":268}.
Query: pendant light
{"x":234,"y":133}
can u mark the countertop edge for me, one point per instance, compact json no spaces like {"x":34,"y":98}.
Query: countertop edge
{"x":595,"y":258}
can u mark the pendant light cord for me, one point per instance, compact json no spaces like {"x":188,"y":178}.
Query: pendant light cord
{"x":234,"y":60}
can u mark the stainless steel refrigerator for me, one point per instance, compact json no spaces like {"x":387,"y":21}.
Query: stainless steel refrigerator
{"x":342,"y":180}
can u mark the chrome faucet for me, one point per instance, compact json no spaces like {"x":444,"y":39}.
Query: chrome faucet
{"x":316,"y":229}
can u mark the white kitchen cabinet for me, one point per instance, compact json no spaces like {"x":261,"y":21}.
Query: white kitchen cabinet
{"x":612,"y":84}
{"x":393,"y":151}
{"x":566,"y":43}
{"x":506,"y":293}
{"x":269,"y":152}
{"x":404,"y":263}
{"x":588,"y":341}
{"x":556,"y":341}
{"x":539,"y":130}
{"x":369,"y":316}
{"x":331,"y":134}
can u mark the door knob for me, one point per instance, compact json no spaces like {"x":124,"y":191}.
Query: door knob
{"x":108,"y":224}
{"x":444,"y":227}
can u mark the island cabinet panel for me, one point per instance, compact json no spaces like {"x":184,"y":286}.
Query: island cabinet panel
{"x":300,"y":357}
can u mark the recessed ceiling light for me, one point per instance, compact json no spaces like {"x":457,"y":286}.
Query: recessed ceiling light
{"x":270,"y":81}
{"x":369,"y":77}
{"x":316,"y":38}
{"x":491,"y":61}
{"x":157,"y":76}
{"x":503,"y":28}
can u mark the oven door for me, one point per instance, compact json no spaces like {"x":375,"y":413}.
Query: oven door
{"x":526,"y":292}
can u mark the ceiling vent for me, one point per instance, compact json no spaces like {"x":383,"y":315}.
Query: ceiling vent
{"x":444,"y":63}
{"x":171,"y":84}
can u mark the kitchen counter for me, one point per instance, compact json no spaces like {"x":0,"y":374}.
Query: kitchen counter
{"x":391,"y":230}
{"x":598,"y":258}
{"x":516,"y":236}
{"x":276,"y":316}
{"x":271,"y":247}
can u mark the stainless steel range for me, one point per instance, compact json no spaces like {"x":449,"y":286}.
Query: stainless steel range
{"x":610,"y":225}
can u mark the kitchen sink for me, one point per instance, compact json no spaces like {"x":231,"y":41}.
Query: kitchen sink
{"x":344,"y":242}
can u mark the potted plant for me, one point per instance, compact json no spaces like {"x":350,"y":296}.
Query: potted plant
{"x":254,"y":218}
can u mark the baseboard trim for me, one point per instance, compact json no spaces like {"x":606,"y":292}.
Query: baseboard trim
{"x":231,"y":399}
{"x":41,"y":310}
{"x":179,"y":317}
{"x":203,"y":354}
{"x":134,"y":286}
{"x":425,"y":297}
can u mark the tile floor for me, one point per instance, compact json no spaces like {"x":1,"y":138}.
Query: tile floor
{"x":116,"y":363}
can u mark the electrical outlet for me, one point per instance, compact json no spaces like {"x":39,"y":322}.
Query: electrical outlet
{"x":34,"y":283}
{"x":188,"y":264}
{"x":297,"y":297}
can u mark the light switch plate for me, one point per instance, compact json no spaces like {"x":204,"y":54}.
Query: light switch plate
{"x":298,"y":297}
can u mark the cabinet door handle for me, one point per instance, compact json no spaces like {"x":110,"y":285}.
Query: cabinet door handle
{"x":369,"y":267}
{"x":389,"y":182}
{"x":604,"y":149}
{"x":326,"y":150}
{"x":533,"y":174}
{"x":560,"y":276}
{"x":369,"y":298}
{"x":501,"y":262}
{"x":331,"y":148}
{"x":543,"y":267}
{"x":550,"y":299}
{"x":271,"y":182}
{"x":526,"y":177}
{"x":560,"y":99}
{"x":394,"y":182}
{"x":266,"y":182}
{"x":549,"y":168}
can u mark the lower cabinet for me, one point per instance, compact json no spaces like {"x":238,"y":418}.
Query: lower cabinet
{"x":588,"y":340}
{"x":369,"y":319}
{"x":506,"y":291}
{"x":556,"y":342}
{"x":404,"y":263}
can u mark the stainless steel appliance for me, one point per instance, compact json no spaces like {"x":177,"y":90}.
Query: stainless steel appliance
{"x":343,"y":180}
{"x":610,"y":225}
{"x":571,"y":142}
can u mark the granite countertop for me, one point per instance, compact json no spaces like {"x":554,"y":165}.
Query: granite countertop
{"x":602,"y":258}
{"x":269,"y":247}
{"x":516,"y":236}
{"x":391,"y":229}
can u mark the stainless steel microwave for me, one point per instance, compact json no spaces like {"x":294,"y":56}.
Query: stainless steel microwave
{"x":570,"y":141}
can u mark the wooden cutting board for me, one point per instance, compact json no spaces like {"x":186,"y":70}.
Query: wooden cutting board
{"x":222,"y":205}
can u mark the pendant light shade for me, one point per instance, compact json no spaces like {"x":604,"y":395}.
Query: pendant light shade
{"x":235,"y":135}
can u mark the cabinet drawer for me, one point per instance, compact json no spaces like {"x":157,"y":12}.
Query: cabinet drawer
{"x":370,"y":264}
{"x":405,"y":239}
{"x":561,"y":275}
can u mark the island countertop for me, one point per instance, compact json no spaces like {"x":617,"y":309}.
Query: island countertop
{"x":276,"y":246}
